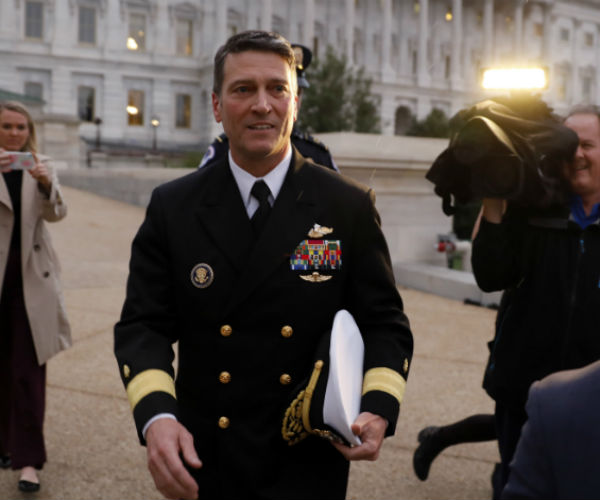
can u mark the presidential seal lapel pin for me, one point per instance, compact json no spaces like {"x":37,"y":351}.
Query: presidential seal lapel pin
{"x":319,"y":231}
{"x":202,"y":275}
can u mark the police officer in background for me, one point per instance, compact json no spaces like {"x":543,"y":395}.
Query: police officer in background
{"x":307,"y":145}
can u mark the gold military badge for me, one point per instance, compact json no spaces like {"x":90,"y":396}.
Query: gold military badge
{"x":319,"y":231}
{"x":202,"y":275}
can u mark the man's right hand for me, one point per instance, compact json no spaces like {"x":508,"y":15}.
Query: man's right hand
{"x":166,"y":439}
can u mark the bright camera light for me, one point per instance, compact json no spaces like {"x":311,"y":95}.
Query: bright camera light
{"x":515,"y":79}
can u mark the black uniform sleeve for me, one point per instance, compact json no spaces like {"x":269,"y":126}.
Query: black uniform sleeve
{"x":146,"y":331}
{"x":378,"y":310}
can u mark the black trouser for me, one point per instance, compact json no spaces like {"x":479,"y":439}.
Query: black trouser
{"x":509,"y":421}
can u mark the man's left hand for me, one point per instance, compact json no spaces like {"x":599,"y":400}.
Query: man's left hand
{"x":370,"y":428}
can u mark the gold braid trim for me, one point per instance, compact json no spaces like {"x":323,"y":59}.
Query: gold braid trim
{"x":385,"y":380}
{"x":147,"y":382}
{"x":296,"y":421}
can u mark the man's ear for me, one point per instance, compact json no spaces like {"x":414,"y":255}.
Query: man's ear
{"x":216,"y":107}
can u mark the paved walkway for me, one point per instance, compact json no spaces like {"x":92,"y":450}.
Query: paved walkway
{"x":93,"y":452}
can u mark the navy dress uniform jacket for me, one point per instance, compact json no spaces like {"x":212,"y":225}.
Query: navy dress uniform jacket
{"x":557,"y":455}
{"x":249,"y":337}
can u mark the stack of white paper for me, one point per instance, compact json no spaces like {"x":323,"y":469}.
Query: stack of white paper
{"x":344,"y":384}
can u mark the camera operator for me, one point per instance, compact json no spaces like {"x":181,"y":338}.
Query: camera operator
{"x":548,"y":261}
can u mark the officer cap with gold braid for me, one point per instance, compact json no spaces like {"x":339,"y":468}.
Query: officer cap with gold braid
{"x":303,"y":58}
{"x":304,"y":416}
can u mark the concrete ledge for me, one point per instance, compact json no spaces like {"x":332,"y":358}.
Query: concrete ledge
{"x":449,"y":283}
{"x":132,"y":185}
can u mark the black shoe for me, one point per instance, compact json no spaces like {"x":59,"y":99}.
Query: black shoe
{"x":5,"y":461}
{"x":28,"y":486}
{"x":428,"y":449}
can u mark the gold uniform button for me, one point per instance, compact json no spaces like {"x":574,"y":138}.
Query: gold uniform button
{"x":285,"y":379}
{"x":126,"y":371}
{"x":226,"y":330}
{"x":287,"y":331}
{"x":225,"y":377}
{"x":223,"y":422}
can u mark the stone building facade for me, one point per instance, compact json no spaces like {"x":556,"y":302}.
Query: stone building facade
{"x":144,"y":67}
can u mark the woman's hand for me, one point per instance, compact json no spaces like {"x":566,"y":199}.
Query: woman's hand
{"x":5,"y":161}
{"x":41,"y":174}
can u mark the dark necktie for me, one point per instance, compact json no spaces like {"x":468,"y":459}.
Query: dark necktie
{"x":261,"y":192}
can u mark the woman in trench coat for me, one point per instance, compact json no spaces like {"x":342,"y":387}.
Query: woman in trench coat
{"x":33,"y":323}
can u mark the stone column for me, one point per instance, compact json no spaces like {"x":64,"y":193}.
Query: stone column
{"x":266,"y":15}
{"x":386,"y":41}
{"x":251,"y":15}
{"x":8,"y":20}
{"x":422,"y":70}
{"x":219,"y":30}
{"x":350,"y":32}
{"x":457,"y":28}
{"x":488,"y":32}
{"x":548,"y":32}
{"x":62,"y":101}
{"x":115,"y":29}
{"x":575,"y":94}
{"x":114,"y":115}
{"x":518,"y":41}
{"x":65,"y":24}
{"x":309,"y":23}
{"x":162,"y":43}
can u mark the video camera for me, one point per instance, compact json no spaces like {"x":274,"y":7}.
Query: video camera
{"x":513,"y":148}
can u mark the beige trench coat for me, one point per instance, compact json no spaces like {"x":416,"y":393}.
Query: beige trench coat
{"x":41,"y":270}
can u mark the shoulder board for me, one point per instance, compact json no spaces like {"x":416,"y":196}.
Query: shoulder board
{"x":303,"y":136}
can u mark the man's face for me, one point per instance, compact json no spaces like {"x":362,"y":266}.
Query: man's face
{"x":257,"y":106}
{"x":584,"y":172}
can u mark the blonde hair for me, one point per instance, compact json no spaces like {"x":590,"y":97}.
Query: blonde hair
{"x":17,"y":107}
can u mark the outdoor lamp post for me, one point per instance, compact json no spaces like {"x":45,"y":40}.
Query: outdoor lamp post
{"x":98,"y":122}
{"x":155,"y":122}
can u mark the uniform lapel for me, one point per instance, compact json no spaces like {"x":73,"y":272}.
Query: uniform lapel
{"x":223,"y":215}
{"x":292,"y":217}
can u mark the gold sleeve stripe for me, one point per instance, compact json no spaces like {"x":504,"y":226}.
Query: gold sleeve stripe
{"x":386,"y":380}
{"x":147,"y":382}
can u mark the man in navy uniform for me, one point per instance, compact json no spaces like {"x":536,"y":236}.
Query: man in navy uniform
{"x":215,"y":267}
{"x":306,"y":144}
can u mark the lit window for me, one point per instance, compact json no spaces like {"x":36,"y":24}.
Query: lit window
{"x":135,"y":107}
{"x":448,"y":15}
{"x":184,"y":37}
{"x":34,"y":89}
{"x":34,"y":20}
{"x":85,"y":103}
{"x":416,"y":7}
{"x":183,"y":110}
{"x":137,"y":32}
{"x":87,"y":25}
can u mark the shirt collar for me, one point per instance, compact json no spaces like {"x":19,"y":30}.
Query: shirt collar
{"x":578,"y":213}
{"x":274,"y":179}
